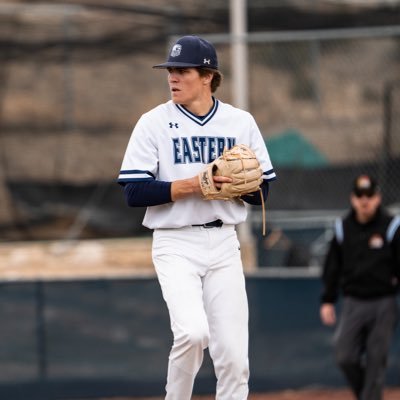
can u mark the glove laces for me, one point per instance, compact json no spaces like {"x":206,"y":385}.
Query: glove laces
{"x":264,"y":223}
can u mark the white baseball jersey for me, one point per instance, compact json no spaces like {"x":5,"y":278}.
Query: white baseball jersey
{"x":169,"y":143}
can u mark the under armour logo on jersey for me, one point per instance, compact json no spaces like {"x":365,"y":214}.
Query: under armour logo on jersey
{"x":173,"y":124}
{"x":207,"y":61}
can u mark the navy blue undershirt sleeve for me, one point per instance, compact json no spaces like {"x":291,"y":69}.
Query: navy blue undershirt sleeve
{"x":153,"y":193}
{"x":148,"y":193}
{"x":255,"y":197}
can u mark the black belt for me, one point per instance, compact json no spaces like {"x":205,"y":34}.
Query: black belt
{"x":213,"y":224}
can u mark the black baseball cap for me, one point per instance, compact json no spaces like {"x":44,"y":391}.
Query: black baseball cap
{"x":365,"y":185}
{"x":191,"y":51}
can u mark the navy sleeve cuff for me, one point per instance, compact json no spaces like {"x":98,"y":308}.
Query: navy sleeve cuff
{"x":255,"y":197}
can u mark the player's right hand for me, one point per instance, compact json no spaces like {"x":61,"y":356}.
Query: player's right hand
{"x":219,"y":180}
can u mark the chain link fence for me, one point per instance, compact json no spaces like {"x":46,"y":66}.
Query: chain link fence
{"x":327,"y":103}
{"x":74,"y":83}
{"x":328,"y":100}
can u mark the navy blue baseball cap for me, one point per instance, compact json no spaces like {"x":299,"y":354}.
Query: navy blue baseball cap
{"x":191,"y":51}
{"x":365,"y":185}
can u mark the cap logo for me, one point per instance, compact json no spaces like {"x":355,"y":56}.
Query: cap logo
{"x":364,"y":182}
{"x":176,"y":50}
{"x":190,"y":52}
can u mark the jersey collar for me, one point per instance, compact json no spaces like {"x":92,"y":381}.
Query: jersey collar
{"x":203,"y":119}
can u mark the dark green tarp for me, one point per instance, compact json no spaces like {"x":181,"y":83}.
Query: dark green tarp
{"x":290,"y":148}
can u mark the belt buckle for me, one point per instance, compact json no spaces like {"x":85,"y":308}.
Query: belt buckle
{"x":214,"y":224}
{"x":205,"y":226}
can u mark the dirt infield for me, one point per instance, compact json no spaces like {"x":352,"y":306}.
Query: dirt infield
{"x":306,"y":394}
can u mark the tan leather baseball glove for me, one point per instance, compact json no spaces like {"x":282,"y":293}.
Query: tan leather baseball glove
{"x":239,"y":163}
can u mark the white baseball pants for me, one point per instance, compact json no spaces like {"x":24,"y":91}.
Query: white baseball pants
{"x":202,"y":281}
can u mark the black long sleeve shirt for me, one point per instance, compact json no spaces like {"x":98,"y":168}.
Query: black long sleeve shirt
{"x":363,"y":260}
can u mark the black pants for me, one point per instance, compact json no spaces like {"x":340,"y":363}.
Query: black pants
{"x":362,"y":343}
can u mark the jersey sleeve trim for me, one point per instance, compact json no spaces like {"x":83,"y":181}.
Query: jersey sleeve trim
{"x":339,"y":233}
{"x":392,"y":228}
{"x":269,"y":175}
{"x":134,"y":175}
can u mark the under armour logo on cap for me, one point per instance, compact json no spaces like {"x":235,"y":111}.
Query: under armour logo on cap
{"x":191,"y":51}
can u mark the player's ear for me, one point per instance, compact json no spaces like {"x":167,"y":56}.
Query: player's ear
{"x":207,"y":78}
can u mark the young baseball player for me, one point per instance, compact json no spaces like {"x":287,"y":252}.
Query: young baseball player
{"x":196,"y":252}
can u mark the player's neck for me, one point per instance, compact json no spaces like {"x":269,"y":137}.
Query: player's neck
{"x":200,"y":107}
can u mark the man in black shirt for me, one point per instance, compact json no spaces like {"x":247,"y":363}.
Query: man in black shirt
{"x":363,"y":264}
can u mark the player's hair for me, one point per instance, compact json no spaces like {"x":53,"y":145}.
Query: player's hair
{"x":216,"y":80}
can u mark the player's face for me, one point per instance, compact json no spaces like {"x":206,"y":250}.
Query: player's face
{"x":187,"y":86}
{"x":365,"y":206}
